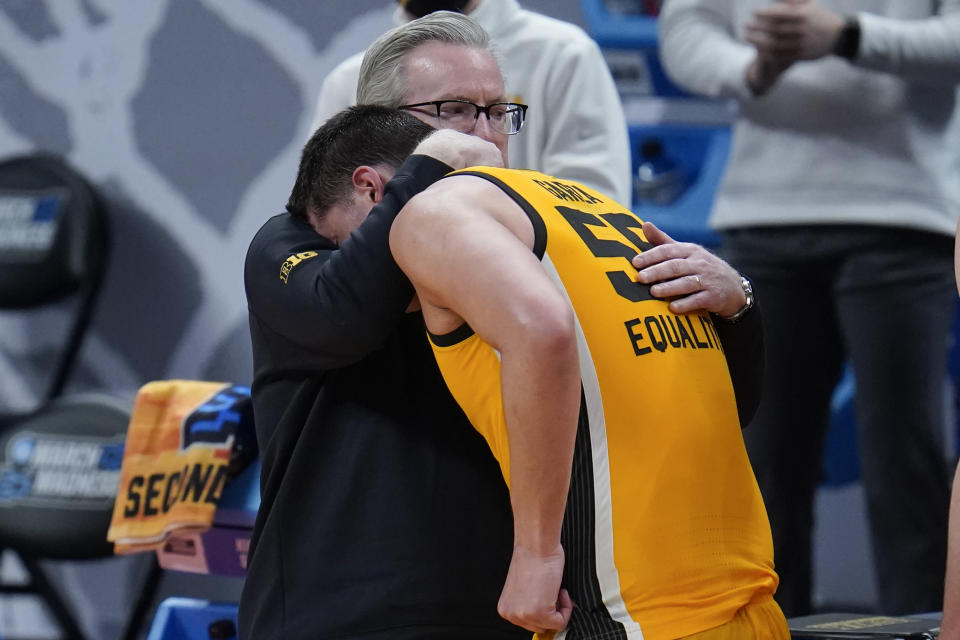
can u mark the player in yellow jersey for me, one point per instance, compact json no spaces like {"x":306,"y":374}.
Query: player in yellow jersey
{"x":613,"y":418}
{"x":622,"y":399}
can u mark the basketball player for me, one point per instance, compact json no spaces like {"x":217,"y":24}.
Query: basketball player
{"x":613,"y":418}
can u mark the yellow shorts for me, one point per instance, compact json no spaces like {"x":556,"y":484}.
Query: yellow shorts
{"x":760,"y":619}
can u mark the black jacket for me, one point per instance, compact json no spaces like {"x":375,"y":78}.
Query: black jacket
{"x":383,"y":513}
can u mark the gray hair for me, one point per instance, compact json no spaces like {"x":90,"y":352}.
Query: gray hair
{"x":382,"y":75}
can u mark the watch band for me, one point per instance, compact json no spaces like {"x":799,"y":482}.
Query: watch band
{"x":748,"y":295}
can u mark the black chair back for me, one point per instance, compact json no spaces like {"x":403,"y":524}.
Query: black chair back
{"x":53,"y":244}
{"x":59,"y":470}
{"x":59,"y":461}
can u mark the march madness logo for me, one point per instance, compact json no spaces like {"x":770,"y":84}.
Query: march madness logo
{"x":45,"y":469}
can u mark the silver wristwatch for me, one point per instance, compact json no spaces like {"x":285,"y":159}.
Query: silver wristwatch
{"x":748,"y":294}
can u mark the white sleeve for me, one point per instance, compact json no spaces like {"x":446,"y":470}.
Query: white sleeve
{"x":338,"y":91}
{"x":925,"y":51}
{"x":587,"y":137}
{"x":699,"y":49}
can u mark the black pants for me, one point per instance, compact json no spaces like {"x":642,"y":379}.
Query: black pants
{"x":885,"y":299}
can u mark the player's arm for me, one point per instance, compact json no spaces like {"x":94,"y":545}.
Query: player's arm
{"x":951,"y":597}
{"x":459,"y":243}
{"x":950,"y":629}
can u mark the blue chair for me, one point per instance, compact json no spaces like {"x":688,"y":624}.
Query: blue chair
{"x":635,"y":33}
{"x":192,"y":619}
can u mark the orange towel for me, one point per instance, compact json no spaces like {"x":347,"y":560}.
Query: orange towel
{"x":177,"y":459}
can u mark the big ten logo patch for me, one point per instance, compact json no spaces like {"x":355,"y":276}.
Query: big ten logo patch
{"x":293,"y":261}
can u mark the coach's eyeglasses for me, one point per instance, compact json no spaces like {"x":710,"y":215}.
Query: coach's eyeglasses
{"x":505,"y":117}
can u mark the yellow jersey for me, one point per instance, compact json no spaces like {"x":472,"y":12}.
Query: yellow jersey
{"x":665,"y":532}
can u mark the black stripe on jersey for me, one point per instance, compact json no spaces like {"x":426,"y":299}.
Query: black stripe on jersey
{"x":456,"y":336}
{"x":539,"y":228}
{"x":590,"y":618}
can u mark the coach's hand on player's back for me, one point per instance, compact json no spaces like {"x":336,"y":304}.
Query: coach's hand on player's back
{"x":692,"y":277}
{"x":460,"y":150}
{"x":531,"y":596}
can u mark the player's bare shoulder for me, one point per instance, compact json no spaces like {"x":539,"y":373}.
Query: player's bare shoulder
{"x":467,"y":194}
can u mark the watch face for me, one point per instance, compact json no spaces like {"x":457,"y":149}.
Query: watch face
{"x":848,"y":41}
{"x":747,"y":304}
{"x":420,"y":8}
{"x":747,"y":291}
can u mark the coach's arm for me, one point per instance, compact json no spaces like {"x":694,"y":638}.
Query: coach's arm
{"x":695,"y":279}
